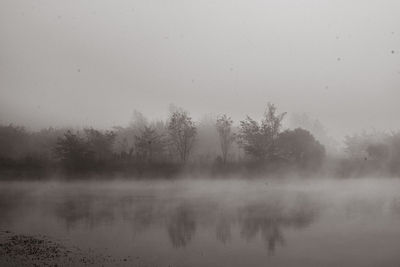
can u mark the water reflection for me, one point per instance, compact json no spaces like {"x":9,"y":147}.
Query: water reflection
{"x":223,"y":230}
{"x":270,"y":219}
{"x":253,"y":222}
{"x":85,"y":210}
{"x":264,"y":217}
{"x":12,"y":203}
{"x":267,"y":219}
{"x":181,"y":226}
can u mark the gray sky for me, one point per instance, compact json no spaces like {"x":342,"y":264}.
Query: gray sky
{"x":92,"y":62}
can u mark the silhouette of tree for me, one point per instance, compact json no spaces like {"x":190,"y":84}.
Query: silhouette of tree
{"x":100,"y":144}
{"x":79,"y":152}
{"x":299,"y":146}
{"x":258,"y":140}
{"x":149,"y":144}
{"x":13,"y":141}
{"x":182,"y":132}
{"x":317,"y":129}
{"x":226,"y":136}
{"x":72,"y":150}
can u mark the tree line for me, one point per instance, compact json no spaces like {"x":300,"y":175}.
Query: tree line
{"x":171,"y":142}
{"x":179,"y":142}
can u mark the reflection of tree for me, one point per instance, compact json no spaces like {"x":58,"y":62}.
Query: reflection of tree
{"x":223,"y":230}
{"x":264,"y":219}
{"x":13,"y":203}
{"x":273,"y":237}
{"x":395,"y":206}
{"x":140,"y":214}
{"x":181,"y":226}
{"x":72,"y":211}
{"x":85,"y":210}
{"x":269,"y":219}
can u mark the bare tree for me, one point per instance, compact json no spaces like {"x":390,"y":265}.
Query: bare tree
{"x":226,"y":136}
{"x":182,"y":132}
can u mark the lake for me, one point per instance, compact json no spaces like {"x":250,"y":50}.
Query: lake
{"x":205,"y":222}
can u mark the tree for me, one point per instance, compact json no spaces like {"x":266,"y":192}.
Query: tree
{"x":226,"y":136}
{"x":72,"y":150}
{"x":182,"y":132}
{"x":79,"y":152}
{"x":300,"y":147}
{"x":138,"y":120}
{"x":258,"y":140}
{"x":378,"y":151}
{"x":394,"y":144}
{"x":356,"y":145}
{"x":316,"y":128}
{"x":13,"y":141}
{"x":149,"y":144}
{"x":100,"y":144}
{"x":272,"y":122}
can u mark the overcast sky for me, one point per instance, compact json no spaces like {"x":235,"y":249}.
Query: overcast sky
{"x":93,"y":62}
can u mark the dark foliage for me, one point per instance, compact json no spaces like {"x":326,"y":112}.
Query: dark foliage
{"x":150,"y":145}
{"x":300,"y":147}
{"x":77,"y":153}
{"x":179,"y":146}
{"x":73,"y":151}
{"x":225,"y":134}
{"x":182,"y":132}
{"x":258,"y":139}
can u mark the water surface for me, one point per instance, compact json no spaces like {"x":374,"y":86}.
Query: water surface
{"x":309,"y":222}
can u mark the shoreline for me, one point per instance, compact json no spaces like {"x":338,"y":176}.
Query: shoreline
{"x":39,"y":250}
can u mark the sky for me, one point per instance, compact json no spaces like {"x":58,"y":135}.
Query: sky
{"x":93,"y":62}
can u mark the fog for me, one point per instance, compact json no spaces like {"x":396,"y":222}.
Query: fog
{"x":92,"y":63}
{"x":207,"y":222}
{"x":199,"y":133}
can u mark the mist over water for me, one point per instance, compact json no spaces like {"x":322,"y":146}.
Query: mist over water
{"x":199,"y":133}
{"x":207,"y":222}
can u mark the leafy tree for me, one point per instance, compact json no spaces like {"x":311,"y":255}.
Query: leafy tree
{"x":13,"y":141}
{"x":42,"y":143}
{"x":226,"y":136}
{"x":299,"y":146}
{"x":258,"y":139}
{"x":182,"y":132}
{"x":100,"y":144}
{"x":72,"y":150}
{"x":78,"y":152}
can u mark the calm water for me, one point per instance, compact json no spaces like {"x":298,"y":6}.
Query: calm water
{"x":216,"y":223}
